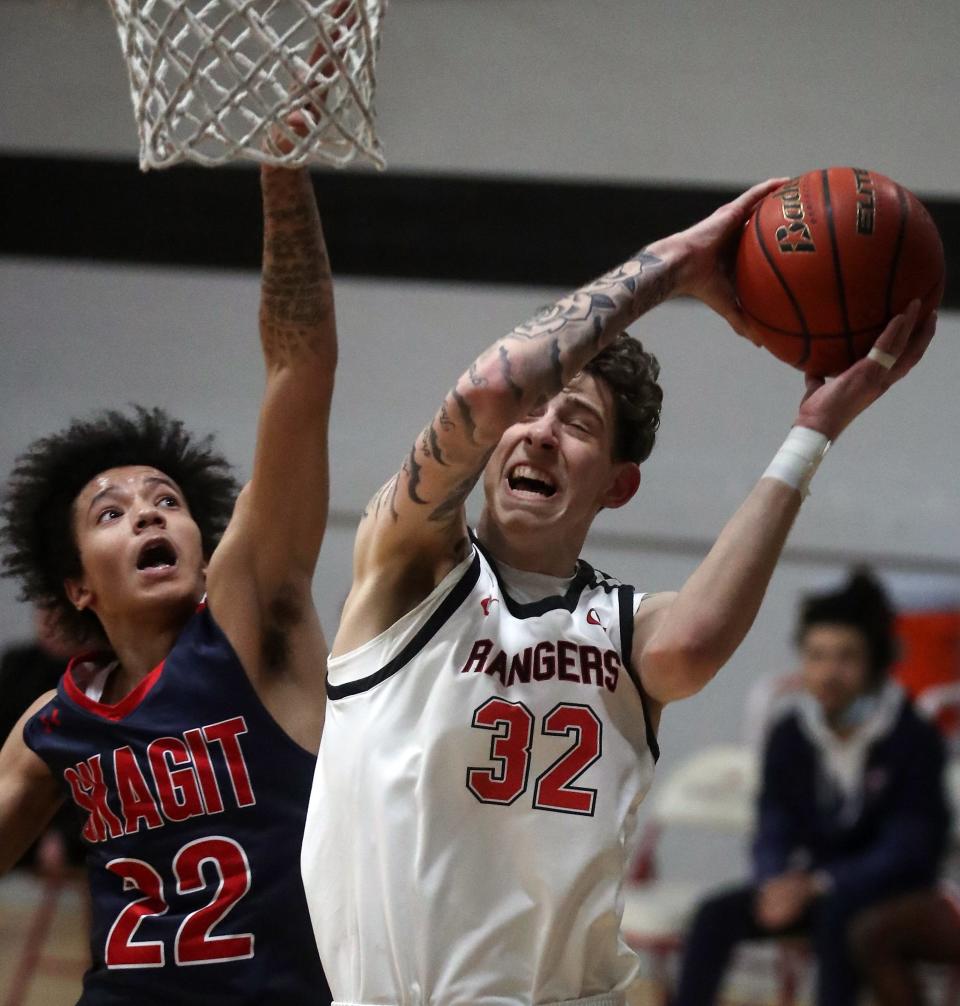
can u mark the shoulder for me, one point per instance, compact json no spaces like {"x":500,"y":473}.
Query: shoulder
{"x":38,"y":704}
{"x":31,"y":724}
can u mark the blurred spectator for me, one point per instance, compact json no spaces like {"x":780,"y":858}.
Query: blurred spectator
{"x":852,"y":809}
{"x":890,"y":939}
{"x":27,"y":670}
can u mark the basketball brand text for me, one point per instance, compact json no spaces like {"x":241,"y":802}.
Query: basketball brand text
{"x":794,"y":235}
{"x":563,"y":660}
{"x":114,"y":791}
{"x":866,"y":206}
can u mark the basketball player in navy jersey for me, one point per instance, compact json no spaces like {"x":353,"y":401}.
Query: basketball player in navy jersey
{"x":493,"y":701}
{"x":187,"y":738}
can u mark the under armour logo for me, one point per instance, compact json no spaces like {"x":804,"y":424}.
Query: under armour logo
{"x":51,"y":721}
{"x":594,"y":619}
{"x":485,"y":604}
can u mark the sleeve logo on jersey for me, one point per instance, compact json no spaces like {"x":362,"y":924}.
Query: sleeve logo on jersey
{"x":546,"y":661}
{"x":50,"y":721}
{"x":173,"y":780}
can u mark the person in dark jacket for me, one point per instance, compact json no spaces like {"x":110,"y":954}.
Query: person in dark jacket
{"x":27,"y":670}
{"x":852,"y":809}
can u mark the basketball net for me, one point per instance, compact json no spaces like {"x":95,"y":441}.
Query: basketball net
{"x":216,"y":80}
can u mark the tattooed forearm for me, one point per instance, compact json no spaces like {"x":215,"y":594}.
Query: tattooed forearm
{"x":296,"y":296}
{"x":476,"y":378}
{"x":607,"y":305}
{"x":466,"y":412}
{"x":434,"y":446}
{"x":531,"y":364}
{"x":544,"y":354}
{"x":412,"y":470}
{"x":506,"y":370}
{"x":384,"y":496}
{"x":556,"y":365}
{"x":443,"y":418}
{"x":451,"y":508}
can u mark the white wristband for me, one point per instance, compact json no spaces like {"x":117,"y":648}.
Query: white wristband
{"x":798,"y":458}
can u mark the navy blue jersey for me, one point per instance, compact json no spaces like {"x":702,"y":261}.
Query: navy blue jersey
{"x":193,"y":802}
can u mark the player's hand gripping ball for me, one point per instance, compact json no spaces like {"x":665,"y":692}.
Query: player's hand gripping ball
{"x":828,"y":259}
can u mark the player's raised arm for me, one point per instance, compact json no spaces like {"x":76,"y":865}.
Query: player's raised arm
{"x":274,"y":539}
{"x":683,"y":639}
{"x":415,"y":526}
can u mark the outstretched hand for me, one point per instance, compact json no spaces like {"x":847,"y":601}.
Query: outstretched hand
{"x":707,"y":250}
{"x":323,"y":70}
{"x":830,"y":406}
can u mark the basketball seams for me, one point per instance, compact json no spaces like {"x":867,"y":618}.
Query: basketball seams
{"x":904,"y":204}
{"x":837,"y":266}
{"x":856,"y":333}
{"x":804,"y":330}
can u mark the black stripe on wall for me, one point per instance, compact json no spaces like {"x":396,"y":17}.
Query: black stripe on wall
{"x":437,"y":227}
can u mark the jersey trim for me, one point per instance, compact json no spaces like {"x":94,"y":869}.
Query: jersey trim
{"x":626,"y":646}
{"x":427,"y":631}
{"x":585,"y":576}
{"x":116,"y":712}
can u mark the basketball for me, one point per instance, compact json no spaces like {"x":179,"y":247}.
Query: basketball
{"x":828,"y":259}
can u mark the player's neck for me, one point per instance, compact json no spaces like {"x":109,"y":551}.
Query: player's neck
{"x":530,"y":553}
{"x":140,"y":644}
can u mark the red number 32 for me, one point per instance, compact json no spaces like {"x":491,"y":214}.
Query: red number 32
{"x":512,"y":725}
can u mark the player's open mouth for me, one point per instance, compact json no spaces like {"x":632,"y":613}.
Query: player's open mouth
{"x":157,"y":554}
{"x":530,"y":482}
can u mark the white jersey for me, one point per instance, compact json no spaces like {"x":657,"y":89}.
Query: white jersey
{"x":475,"y":799}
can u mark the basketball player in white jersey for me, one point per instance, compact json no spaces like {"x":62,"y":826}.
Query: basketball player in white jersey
{"x":493,"y":701}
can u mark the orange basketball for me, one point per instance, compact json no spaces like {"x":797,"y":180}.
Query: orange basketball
{"x":826,"y":260}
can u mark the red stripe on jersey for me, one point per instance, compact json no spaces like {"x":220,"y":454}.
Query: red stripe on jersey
{"x":118,"y":710}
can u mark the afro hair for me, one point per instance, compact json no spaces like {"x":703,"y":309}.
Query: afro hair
{"x":39,"y":548}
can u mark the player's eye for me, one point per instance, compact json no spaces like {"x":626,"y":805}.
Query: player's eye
{"x":107,"y":513}
{"x":168,"y":501}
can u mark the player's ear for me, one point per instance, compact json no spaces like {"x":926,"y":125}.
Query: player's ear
{"x":78,"y":593}
{"x":623,"y":486}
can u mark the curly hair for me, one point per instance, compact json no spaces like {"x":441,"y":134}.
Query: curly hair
{"x":631,"y":372}
{"x":39,"y":547}
{"x":861,"y":604}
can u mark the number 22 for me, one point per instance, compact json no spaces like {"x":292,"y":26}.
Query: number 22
{"x":193,"y":943}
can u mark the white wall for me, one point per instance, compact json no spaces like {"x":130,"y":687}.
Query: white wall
{"x":610,"y":88}
{"x":654,"y":89}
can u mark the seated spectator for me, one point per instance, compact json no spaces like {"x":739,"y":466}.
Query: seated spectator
{"x":890,"y":939}
{"x":852,"y":811}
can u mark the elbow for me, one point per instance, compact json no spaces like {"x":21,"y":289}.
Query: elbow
{"x":679,"y":668}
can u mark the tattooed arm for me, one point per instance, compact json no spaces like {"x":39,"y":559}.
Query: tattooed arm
{"x":414,"y":530}
{"x":260,"y":576}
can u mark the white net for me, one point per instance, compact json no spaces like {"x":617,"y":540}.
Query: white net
{"x":217,"y":80}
